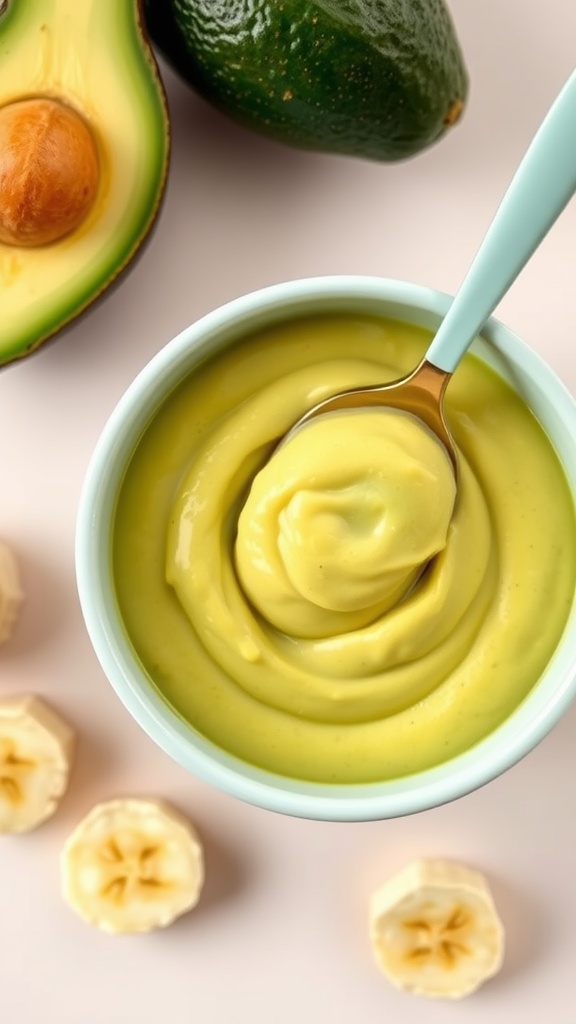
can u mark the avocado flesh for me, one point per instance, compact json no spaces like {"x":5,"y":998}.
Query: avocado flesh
{"x":378,"y":79}
{"x":93,"y":55}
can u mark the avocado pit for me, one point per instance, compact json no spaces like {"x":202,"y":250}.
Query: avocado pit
{"x":49,"y":171}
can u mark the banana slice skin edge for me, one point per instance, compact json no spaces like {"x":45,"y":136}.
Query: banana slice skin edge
{"x":435,"y":930}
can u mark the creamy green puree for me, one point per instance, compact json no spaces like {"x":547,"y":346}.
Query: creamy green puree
{"x":342,"y":613}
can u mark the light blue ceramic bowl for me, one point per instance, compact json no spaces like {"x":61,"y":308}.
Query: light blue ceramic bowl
{"x":541,"y":710}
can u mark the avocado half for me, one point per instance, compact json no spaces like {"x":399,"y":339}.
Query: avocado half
{"x":377,"y":79}
{"x":92,"y":56}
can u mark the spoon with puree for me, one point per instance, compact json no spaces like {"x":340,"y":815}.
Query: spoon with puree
{"x":542,"y":186}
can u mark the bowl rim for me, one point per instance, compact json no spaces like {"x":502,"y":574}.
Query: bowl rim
{"x":486,"y":760}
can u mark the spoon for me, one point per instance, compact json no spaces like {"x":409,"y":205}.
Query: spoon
{"x":542,"y":186}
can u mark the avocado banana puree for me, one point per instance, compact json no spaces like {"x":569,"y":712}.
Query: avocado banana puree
{"x":333,"y":608}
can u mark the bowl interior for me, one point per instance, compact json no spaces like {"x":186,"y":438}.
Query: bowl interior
{"x":500,"y":348}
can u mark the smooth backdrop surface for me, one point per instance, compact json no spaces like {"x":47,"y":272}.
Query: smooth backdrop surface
{"x":280,"y":934}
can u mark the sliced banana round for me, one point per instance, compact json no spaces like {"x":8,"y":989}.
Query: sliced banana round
{"x":11,"y":593}
{"x":435,"y":930}
{"x":132,"y":865}
{"x":36,"y":747}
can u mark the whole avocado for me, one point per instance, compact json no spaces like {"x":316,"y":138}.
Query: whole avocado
{"x":377,"y":79}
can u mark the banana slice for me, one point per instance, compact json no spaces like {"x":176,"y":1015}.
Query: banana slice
{"x":11,"y":595}
{"x":435,"y":930}
{"x":132,"y":865}
{"x":35,"y":755}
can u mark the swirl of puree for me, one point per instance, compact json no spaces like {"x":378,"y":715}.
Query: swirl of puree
{"x":332,"y":608}
{"x":342,"y":520}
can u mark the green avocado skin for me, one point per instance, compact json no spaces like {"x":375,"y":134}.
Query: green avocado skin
{"x":376,"y":79}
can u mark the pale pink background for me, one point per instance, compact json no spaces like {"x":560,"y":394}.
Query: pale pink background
{"x":280,"y":934}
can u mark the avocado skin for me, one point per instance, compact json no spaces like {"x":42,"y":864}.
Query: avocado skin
{"x":377,"y":79}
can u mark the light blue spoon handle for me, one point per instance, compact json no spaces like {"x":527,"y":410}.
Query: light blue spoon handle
{"x":542,"y":186}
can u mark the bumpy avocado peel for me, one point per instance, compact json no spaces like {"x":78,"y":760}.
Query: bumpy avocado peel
{"x":95,"y":57}
{"x":376,"y":79}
